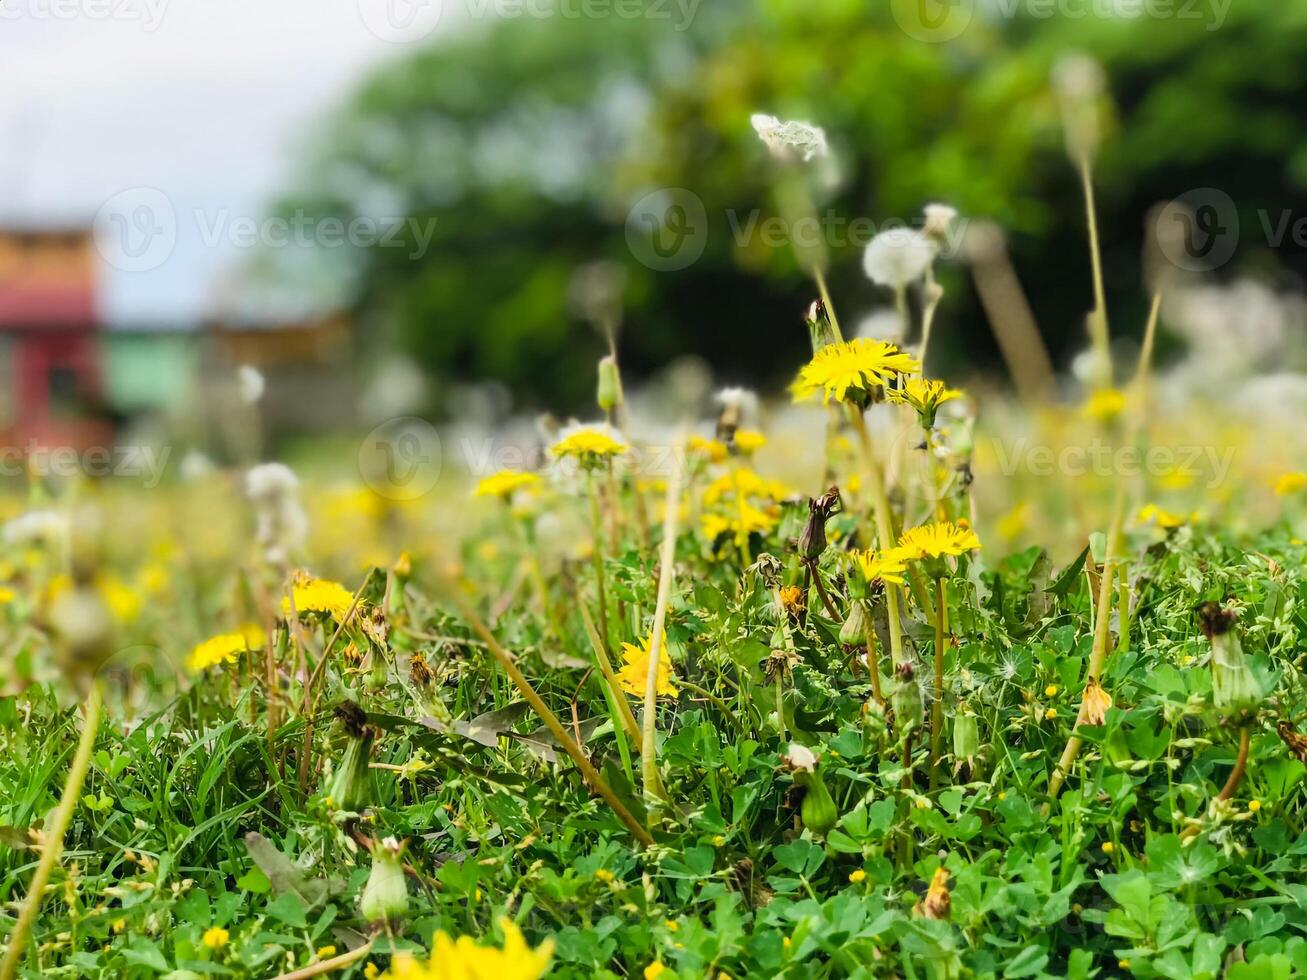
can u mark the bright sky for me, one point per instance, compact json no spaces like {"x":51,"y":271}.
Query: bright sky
{"x":173,"y":120}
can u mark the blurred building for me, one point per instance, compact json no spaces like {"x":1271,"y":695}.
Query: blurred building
{"x":68,"y":378}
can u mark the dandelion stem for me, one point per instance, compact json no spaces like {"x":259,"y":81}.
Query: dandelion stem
{"x":556,"y":728}
{"x":328,"y":966}
{"x":54,"y":836}
{"x":884,"y":524}
{"x":1240,"y":764}
{"x":597,"y":559}
{"x":666,"y":572}
{"x":615,"y":688}
{"x":1098,"y":319}
{"x":873,"y":662}
{"x":937,"y":706}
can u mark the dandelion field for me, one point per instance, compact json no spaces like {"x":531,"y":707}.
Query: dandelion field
{"x":830,"y":690}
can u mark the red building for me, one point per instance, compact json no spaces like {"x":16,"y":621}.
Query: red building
{"x":49,"y":339}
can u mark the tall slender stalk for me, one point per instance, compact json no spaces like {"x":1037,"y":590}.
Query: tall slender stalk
{"x":884,"y":525}
{"x":597,"y":559}
{"x":556,"y":728}
{"x":1098,"y":319}
{"x":666,"y":573}
{"x":937,"y":706}
{"x":820,"y":276}
{"x":54,"y":836}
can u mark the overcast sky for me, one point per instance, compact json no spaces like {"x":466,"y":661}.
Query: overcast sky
{"x":173,"y":119}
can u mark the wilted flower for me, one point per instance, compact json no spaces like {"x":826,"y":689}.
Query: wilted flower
{"x":939,"y":220}
{"x":898,"y":257}
{"x":1096,"y":702}
{"x":350,"y":786}
{"x":906,"y":698}
{"x":790,"y":140}
{"x":1236,"y":691}
{"x":937,"y":904}
{"x":736,"y":404}
{"x":1295,"y":743}
{"x":812,"y":542}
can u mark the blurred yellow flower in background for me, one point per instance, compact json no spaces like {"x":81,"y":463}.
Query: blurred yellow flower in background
{"x":505,"y":483}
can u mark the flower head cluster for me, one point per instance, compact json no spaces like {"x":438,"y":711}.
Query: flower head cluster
{"x":925,"y":396}
{"x":634,"y":674}
{"x":316,"y":595}
{"x":932,"y":542}
{"x":589,"y":443}
{"x":463,"y":959}
{"x":505,"y":483}
{"x":225,"y":648}
{"x":849,"y":370}
{"x":790,"y":140}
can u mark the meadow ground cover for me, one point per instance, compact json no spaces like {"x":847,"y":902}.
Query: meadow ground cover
{"x":675,"y":706}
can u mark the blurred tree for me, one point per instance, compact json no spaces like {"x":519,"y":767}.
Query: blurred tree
{"x":520,"y":146}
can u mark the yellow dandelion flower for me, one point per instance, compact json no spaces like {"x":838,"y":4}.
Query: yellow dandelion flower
{"x":1288,"y":483}
{"x":793,"y":599}
{"x":604,"y":875}
{"x":713,"y":450}
{"x":885,"y":566}
{"x":588,"y":443}
{"x":746,"y":520}
{"x":749,"y":441}
{"x":925,"y":396}
{"x":505,"y":483}
{"x":1152,"y":514}
{"x":215,"y":938}
{"x":654,"y":970}
{"x":853,"y":366}
{"x":635,"y":669}
{"x":7,"y":595}
{"x":1051,"y":691}
{"x":938,"y":540}
{"x":316,"y":595}
{"x":857,"y":877}
{"x":1011,"y":524}
{"x":1108,"y":847}
{"x":463,"y":959}
{"x":326,"y":952}
{"x":1105,"y":404}
{"x":1050,"y":714}
{"x":224,"y":648}
{"x":744,"y":482}
{"x":1254,"y":806}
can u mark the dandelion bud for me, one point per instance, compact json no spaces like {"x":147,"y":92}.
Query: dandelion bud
{"x":812,"y":542}
{"x":610,"y":384}
{"x":1079,"y":82}
{"x":351,"y":783}
{"x":856,"y":624}
{"x":820,"y":330}
{"x":966,"y":735}
{"x":906,"y":699}
{"x":1236,"y":691}
{"x":818,"y":809}
{"x":385,"y":896}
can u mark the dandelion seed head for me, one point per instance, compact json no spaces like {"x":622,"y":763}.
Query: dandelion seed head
{"x":790,"y":139}
{"x":898,"y":256}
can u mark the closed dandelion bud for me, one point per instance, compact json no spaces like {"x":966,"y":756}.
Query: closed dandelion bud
{"x":906,"y":699}
{"x":609,"y":395}
{"x":856,"y":624}
{"x":818,"y":809}
{"x":351,"y":782}
{"x":966,"y":735}
{"x":385,"y":897}
{"x":1236,"y":691}
{"x":812,"y":542}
